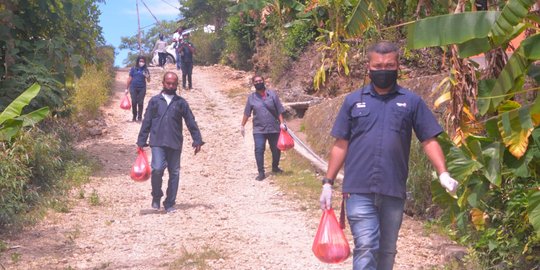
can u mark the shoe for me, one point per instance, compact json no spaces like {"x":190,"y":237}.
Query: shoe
{"x":260,"y":177}
{"x":134,"y":119}
{"x":170,"y":209}
{"x":155,"y":204}
{"x":139,"y":119}
{"x":277,"y":170}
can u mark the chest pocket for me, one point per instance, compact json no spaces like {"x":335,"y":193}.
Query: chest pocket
{"x":401,"y":119}
{"x":361,"y":120}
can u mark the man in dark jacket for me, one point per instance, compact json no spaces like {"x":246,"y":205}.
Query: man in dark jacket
{"x":187,"y":50}
{"x":163,"y":120}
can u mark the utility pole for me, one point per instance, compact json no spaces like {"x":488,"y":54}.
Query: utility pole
{"x":139,"y":28}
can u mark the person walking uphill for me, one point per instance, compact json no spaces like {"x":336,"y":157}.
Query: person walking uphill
{"x":136,"y":85}
{"x":163,"y":122}
{"x":186,"y":50}
{"x":267,"y":121}
{"x":373,"y":131}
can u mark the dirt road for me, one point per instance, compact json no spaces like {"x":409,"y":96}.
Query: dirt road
{"x":226,"y":219}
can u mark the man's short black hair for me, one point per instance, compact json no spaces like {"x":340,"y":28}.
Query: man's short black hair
{"x":383,"y":47}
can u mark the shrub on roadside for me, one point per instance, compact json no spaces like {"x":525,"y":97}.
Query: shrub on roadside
{"x":209,"y":47}
{"x":93,"y":88}
{"x":36,"y":169}
{"x":299,"y":35}
{"x":239,"y":42}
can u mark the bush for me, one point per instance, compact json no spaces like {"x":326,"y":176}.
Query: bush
{"x":239,"y":43}
{"x":39,"y":165}
{"x":209,"y":47}
{"x":93,"y":89}
{"x":298,"y":37}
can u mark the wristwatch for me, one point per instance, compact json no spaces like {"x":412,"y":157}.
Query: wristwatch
{"x":327,"y":181}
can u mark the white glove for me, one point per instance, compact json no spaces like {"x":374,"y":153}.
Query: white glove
{"x":242,"y":131}
{"x":283,"y":126}
{"x":449,"y":183}
{"x":326,"y":197}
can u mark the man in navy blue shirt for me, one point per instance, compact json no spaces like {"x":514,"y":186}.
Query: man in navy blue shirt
{"x":373,"y":131}
{"x":163,"y":122}
{"x":186,"y":50}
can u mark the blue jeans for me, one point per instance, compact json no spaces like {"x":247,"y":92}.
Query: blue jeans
{"x":260,"y":146}
{"x":165,"y":157}
{"x":375,"y":221}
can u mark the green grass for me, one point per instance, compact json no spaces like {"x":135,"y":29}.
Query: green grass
{"x":196,"y":259}
{"x":94,"y":198}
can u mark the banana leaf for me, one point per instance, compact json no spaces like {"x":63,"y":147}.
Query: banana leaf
{"x":363,"y":14}
{"x":15,"y":108}
{"x":512,"y":14}
{"x":450,"y":29}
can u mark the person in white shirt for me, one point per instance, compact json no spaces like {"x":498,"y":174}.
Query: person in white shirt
{"x":177,"y":38}
{"x":161,"y":48}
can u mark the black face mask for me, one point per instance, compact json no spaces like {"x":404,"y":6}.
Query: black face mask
{"x":259,"y":86}
{"x":169,"y":91}
{"x":383,"y":78}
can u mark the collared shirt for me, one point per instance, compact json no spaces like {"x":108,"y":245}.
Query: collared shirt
{"x":379,"y":130}
{"x":264,"y":116}
{"x":138,"y":79}
{"x":164,"y":123}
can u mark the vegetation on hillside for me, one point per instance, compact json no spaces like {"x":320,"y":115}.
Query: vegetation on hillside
{"x":54,"y":70}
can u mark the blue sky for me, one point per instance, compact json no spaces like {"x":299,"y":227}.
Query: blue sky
{"x":119,"y":18}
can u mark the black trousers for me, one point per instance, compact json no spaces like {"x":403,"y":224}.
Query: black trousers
{"x":187,"y":70}
{"x":137,"y":101}
{"x":162,"y":59}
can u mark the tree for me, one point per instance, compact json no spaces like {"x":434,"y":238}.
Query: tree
{"x":205,"y":12}
{"x":46,"y":41}
{"x":148,"y":39}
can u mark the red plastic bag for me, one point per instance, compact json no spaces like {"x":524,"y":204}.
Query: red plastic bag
{"x":141,"y":171}
{"x":330,"y":244}
{"x":285,"y":141}
{"x":125,"y":103}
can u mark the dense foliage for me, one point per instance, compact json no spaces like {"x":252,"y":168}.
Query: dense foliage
{"x":45,"y":48}
{"x":46,"y":41}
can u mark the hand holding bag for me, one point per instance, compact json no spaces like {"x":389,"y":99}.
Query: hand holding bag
{"x":141,"y":171}
{"x":330,"y":244}
{"x":125,"y":103}
{"x":285,"y":141}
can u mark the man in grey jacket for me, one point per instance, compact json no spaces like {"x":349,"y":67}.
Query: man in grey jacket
{"x":163,"y":122}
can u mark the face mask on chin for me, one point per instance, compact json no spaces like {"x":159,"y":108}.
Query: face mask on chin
{"x":169,"y":91}
{"x":259,"y":86}
{"x":383,"y":78}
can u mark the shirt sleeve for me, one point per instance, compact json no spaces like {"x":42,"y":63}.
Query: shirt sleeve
{"x":342,"y":124}
{"x":279,"y":106}
{"x":192,"y":126}
{"x":425,"y":124}
{"x":249,"y":107}
{"x":131,"y":72}
{"x":146,"y":125}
